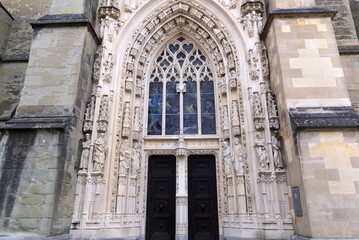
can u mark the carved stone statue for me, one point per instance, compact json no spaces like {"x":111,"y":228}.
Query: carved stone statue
{"x":277,"y":156}
{"x":127,"y":116}
{"x":261,"y":151}
{"x":227,"y":159}
{"x":238,"y":159}
{"x":125,"y":156}
{"x":102,"y":28}
{"x":257,"y":105}
{"x":135,"y":164}
{"x":99,"y":158}
{"x":85,"y":152}
{"x":223,"y":85}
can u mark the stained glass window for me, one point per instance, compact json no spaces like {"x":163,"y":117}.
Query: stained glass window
{"x":155,"y":108}
{"x":181,"y":92}
{"x":207,"y":102}
{"x":172,"y":108}
{"x":190,"y":120}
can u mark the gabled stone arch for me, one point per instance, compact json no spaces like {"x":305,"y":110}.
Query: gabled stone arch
{"x":247,"y":106}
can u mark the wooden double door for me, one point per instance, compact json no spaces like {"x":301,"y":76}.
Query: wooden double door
{"x":202,"y":198}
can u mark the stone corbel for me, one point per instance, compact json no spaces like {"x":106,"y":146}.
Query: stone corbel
{"x":252,"y":12}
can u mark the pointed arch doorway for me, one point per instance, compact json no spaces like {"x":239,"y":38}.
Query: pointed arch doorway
{"x":181,"y":105}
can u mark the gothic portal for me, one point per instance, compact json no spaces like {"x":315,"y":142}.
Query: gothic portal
{"x":184,"y":129}
{"x":179,"y":119}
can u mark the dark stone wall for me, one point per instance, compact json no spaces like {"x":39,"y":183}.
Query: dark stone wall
{"x":37,"y":176}
{"x":12,"y":76}
{"x":18,"y":146}
{"x":343,"y":22}
{"x":24,"y":12}
{"x":354,"y":6}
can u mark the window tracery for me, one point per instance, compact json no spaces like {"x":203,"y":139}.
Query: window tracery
{"x":181,"y":92}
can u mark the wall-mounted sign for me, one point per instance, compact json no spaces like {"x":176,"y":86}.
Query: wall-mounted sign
{"x":296,"y":202}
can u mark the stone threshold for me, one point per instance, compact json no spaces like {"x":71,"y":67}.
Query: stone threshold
{"x":59,"y":237}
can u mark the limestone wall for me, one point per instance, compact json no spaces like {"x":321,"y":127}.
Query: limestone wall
{"x":53,"y":74}
{"x":291,"y":4}
{"x":307,"y":72}
{"x":306,"y":64}
{"x":351,"y":71}
{"x":330,"y":167}
{"x":15,"y":50}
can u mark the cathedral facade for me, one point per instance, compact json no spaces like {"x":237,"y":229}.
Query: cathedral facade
{"x":179,"y":119}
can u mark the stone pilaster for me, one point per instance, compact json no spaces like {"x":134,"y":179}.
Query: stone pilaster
{"x":308,"y":79}
{"x":39,"y":193}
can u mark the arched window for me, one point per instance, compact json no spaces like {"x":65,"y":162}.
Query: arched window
{"x":181,"y":92}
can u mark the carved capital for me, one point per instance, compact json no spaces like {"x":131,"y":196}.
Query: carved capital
{"x":252,"y":6}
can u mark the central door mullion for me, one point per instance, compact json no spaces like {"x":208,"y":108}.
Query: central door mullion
{"x":181,"y":198}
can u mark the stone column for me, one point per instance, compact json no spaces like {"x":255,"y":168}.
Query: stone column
{"x":48,"y":122}
{"x":181,"y":191}
{"x":308,"y":80}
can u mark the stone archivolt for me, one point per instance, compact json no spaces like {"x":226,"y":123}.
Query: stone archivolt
{"x":243,"y":145}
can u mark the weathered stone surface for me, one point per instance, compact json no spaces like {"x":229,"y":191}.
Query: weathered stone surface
{"x":305,"y":118}
{"x":5,"y":25}
{"x":354,"y":6}
{"x":21,"y":33}
{"x":12,"y":77}
{"x":343,"y":23}
{"x":351,"y":71}
{"x":36,"y":186}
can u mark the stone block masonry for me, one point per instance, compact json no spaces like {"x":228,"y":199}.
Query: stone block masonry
{"x":12,"y":75}
{"x":330,"y":161}
{"x":351,"y":70}
{"x":39,"y":189}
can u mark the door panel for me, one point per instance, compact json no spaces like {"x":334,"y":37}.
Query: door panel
{"x":161,"y":193}
{"x":202,"y":198}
